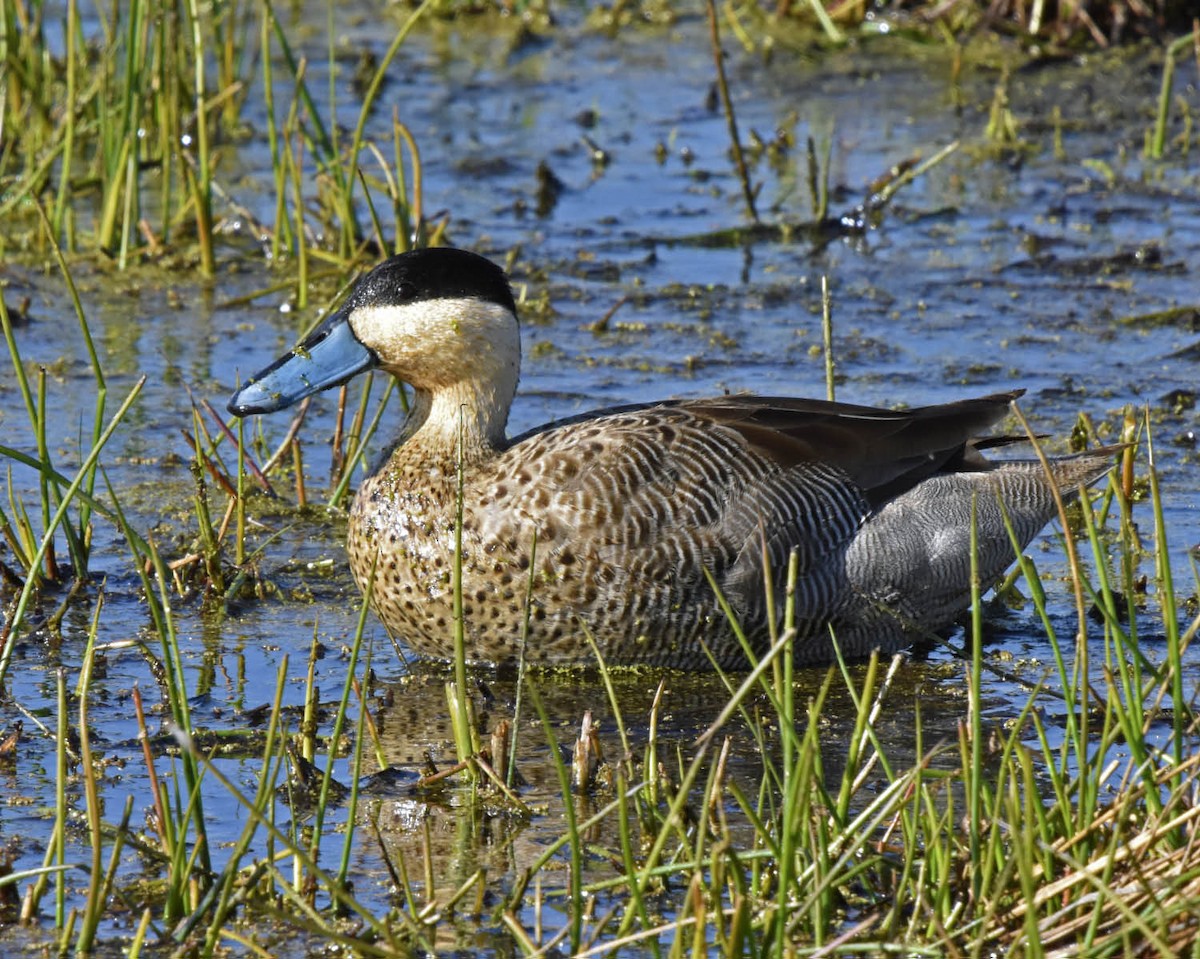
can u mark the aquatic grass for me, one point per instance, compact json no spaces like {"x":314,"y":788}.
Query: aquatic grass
{"x":748,"y":190}
{"x":369,"y":96}
{"x":186,"y":802}
{"x":35,"y":552}
{"x":101,"y":880}
{"x":410,"y":229}
{"x":1156,"y":137}
{"x":350,"y":445}
{"x":382,"y":939}
{"x":341,"y":164}
{"x":462,"y":719}
{"x":822,"y":227}
{"x":1097,"y":23}
{"x":119,"y":119}
{"x":323,"y":799}
{"x":818,"y":176}
{"x":102,"y":116}
{"x":1169,"y":603}
{"x":195,"y":899}
{"x":35,"y":408}
{"x":54,"y":863}
{"x":293,"y":167}
{"x":234,"y":878}
{"x":827,"y":339}
{"x":872,"y":852}
{"x":198,"y":166}
{"x":83,"y":920}
{"x":119,"y":125}
{"x":318,"y":139}
{"x":63,"y":500}
{"x":350,"y":836}
{"x":223,"y":574}
{"x":851,"y":222}
{"x":123,"y":128}
{"x":210,"y":539}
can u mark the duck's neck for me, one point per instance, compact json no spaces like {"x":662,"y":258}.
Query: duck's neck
{"x":462,"y":358}
{"x":463,"y":421}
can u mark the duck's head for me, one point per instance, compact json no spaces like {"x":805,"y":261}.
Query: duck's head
{"x":442,"y":320}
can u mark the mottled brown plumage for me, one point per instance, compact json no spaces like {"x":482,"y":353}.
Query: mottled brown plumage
{"x":613,"y":521}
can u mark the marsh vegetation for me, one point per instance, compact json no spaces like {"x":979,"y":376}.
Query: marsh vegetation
{"x":208,"y":747}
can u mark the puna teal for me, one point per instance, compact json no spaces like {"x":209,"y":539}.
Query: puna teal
{"x":614,"y":517}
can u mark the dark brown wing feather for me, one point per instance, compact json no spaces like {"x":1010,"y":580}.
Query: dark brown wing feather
{"x":884,"y":452}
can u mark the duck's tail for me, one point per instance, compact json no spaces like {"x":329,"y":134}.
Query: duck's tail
{"x":1070,"y":473}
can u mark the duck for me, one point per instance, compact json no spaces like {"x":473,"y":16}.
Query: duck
{"x":627,"y":531}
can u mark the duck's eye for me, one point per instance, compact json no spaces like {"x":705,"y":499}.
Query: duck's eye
{"x":406,"y":291}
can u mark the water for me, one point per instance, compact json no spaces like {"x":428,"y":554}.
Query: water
{"x":999,"y":268}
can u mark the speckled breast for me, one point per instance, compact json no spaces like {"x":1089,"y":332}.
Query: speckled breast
{"x":401,"y":549}
{"x":402,"y":546}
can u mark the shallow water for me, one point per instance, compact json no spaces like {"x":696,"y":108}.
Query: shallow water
{"x":999,"y":268}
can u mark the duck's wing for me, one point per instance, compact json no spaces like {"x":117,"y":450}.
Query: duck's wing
{"x":883,"y":452}
{"x":723,"y":468}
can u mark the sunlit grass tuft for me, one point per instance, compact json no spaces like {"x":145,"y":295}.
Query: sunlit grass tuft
{"x":120,"y":121}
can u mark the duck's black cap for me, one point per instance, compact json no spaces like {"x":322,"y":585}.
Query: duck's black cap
{"x":433,"y":274}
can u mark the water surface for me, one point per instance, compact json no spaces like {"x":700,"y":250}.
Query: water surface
{"x":1018,"y":266}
